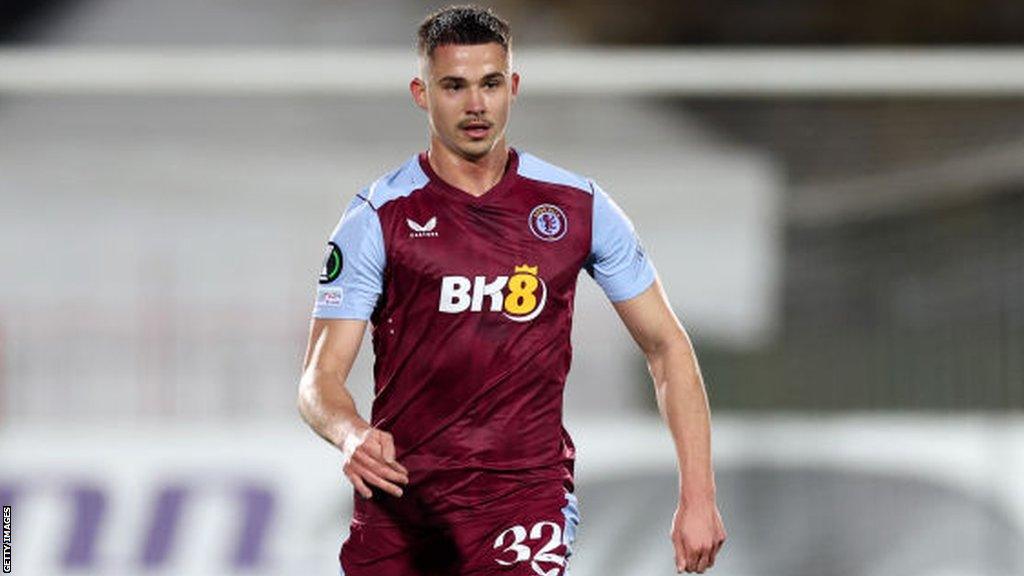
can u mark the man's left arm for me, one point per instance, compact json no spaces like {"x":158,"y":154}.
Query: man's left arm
{"x":697,"y":530}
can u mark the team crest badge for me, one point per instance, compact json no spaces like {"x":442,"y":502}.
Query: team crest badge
{"x":548,"y":222}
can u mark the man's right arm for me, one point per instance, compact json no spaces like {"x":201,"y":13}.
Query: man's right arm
{"x":350,"y":286}
{"x":326,"y":405}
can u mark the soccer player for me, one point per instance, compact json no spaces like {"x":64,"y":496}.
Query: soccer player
{"x":465,"y":261}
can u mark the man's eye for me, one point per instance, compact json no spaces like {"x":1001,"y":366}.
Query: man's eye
{"x":452,"y":87}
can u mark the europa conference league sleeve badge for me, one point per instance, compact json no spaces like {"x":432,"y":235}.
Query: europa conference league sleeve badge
{"x":332,"y":264}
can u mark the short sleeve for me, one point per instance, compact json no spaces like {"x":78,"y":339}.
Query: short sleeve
{"x":617,"y":259}
{"x":352,"y":277}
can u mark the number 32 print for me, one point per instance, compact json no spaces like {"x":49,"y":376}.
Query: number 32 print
{"x":513,"y":548}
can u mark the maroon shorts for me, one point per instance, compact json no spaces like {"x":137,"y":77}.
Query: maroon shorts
{"x":528,"y":535}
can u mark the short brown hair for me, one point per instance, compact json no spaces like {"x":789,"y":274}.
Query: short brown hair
{"x":462,"y":25}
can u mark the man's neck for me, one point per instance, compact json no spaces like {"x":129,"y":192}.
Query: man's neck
{"x":475,"y":176}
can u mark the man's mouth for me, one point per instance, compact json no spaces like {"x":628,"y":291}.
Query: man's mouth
{"x":476,"y":130}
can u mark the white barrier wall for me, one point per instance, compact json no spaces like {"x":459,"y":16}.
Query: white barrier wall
{"x":799,"y":495}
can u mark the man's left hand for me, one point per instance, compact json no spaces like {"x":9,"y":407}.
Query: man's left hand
{"x":697,"y":535}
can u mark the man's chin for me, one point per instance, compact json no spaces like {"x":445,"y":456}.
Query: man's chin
{"x":475,"y":150}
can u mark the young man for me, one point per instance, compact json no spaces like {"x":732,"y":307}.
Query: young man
{"x":465,"y":260}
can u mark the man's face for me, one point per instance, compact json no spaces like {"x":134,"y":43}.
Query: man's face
{"x":467,"y":92}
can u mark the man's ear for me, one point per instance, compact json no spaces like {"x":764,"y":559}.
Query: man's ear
{"x":419,"y":92}
{"x":515,"y":84}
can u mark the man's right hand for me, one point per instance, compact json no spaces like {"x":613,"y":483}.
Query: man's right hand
{"x":369,"y":456}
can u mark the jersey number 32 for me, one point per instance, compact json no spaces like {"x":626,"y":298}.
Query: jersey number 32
{"x":512,"y":540}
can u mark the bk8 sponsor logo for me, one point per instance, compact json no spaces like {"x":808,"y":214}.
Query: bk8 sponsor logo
{"x":520,"y":297}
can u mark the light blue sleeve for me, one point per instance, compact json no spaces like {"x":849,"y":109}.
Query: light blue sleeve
{"x":352,"y":278}
{"x":617,"y":259}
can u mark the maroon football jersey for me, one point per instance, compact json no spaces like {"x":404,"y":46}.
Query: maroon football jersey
{"x":471,"y":302}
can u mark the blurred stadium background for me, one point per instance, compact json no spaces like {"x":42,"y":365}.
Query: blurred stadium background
{"x":833,"y":193}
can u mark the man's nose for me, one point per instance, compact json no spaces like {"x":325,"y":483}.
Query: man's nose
{"x":475,"y":101}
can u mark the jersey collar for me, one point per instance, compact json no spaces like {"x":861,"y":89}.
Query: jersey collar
{"x":507,"y":179}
